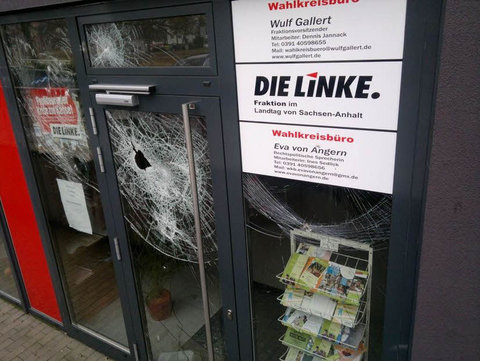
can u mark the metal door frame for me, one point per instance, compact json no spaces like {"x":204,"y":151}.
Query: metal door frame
{"x":172,"y":105}
{"x":210,"y":84}
{"x":91,"y":338}
{"x":168,"y":81}
{"x":421,"y":50}
{"x":424,"y":20}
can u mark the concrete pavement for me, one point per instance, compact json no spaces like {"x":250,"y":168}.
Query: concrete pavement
{"x":26,"y":338}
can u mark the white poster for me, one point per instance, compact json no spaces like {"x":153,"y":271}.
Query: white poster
{"x":66,"y":131}
{"x":318,"y":30}
{"x":358,"y":159}
{"x":74,"y":205}
{"x":353,"y":95}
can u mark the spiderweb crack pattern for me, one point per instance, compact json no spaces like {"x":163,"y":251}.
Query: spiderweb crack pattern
{"x":116,"y":45}
{"x":158,"y":199}
{"x":371,"y":226}
{"x":36,"y":68}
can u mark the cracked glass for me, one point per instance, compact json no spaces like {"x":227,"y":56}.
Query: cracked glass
{"x":158,"y":42}
{"x":320,"y":293}
{"x":152,"y":170}
{"x":39,"y":57}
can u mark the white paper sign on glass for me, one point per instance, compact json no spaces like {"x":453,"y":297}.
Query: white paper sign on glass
{"x":66,"y":131}
{"x":321,"y":30}
{"x":75,"y":205}
{"x":350,"y":158}
{"x":353,"y":95}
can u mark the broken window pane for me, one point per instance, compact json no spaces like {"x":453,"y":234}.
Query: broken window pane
{"x":39,"y":57}
{"x":159,"y":42}
{"x":301,"y":237}
{"x":153,"y":174}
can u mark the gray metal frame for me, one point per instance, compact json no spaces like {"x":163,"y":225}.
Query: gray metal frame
{"x":417,"y":100}
{"x":208,"y":107}
{"x":208,"y":86}
{"x":413,"y":144}
{"x":86,"y":336}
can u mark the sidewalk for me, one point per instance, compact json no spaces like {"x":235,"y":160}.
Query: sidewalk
{"x":25,"y":338}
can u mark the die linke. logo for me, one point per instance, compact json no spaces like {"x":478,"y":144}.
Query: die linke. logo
{"x":314,"y":86}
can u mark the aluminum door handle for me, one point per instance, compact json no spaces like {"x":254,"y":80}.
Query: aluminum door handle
{"x":198,"y":225}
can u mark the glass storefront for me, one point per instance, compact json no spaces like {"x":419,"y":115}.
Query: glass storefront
{"x":39,"y":57}
{"x":316,"y":253}
{"x":155,"y":137}
{"x":181,"y":310}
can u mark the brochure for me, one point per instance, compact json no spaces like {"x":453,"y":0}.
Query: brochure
{"x":313,"y":273}
{"x":345,"y":314}
{"x":313,"y":325}
{"x":346,"y":354}
{"x":297,"y":320}
{"x":334,"y":331}
{"x":318,"y":327}
{"x":325,"y":327}
{"x":318,"y":305}
{"x":352,"y":337}
{"x":303,"y":322}
{"x":357,"y":287}
{"x":288,"y":312}
{"x":296,"y":339}
{"x":344,"y":282}
{"x":297,"y":355}
{"x":313,"y":251}
{"x":294,"y":268}
{"x":293,"y":355}
{"x":321,"y":347}
{"x":293,"y":297}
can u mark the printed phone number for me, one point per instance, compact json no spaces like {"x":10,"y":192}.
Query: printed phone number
{"x":293,"y":164}
{"x":300,"y":43}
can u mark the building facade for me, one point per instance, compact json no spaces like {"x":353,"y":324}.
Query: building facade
{"x":243,"y":180}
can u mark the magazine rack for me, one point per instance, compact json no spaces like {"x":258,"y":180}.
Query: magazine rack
{"x":358,"y":318}
{"x":352,"y":254}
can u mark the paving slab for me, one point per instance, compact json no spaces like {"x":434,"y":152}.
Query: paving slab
{"x":24,"y":337}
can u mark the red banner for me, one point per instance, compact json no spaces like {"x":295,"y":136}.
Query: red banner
{"x":53,"y":106}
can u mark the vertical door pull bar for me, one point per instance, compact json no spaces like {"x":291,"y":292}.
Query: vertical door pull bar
{"x":135,"y":352}
{"x":100,"y":160}
{"x":93,"y":121}
{"x":198,"y":228}
{"x":117,"y":249}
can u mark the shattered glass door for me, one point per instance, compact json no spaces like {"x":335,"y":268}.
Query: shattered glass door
{"x":154,"y":179}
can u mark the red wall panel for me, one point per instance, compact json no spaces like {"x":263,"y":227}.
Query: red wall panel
{"x":22,"y":223}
